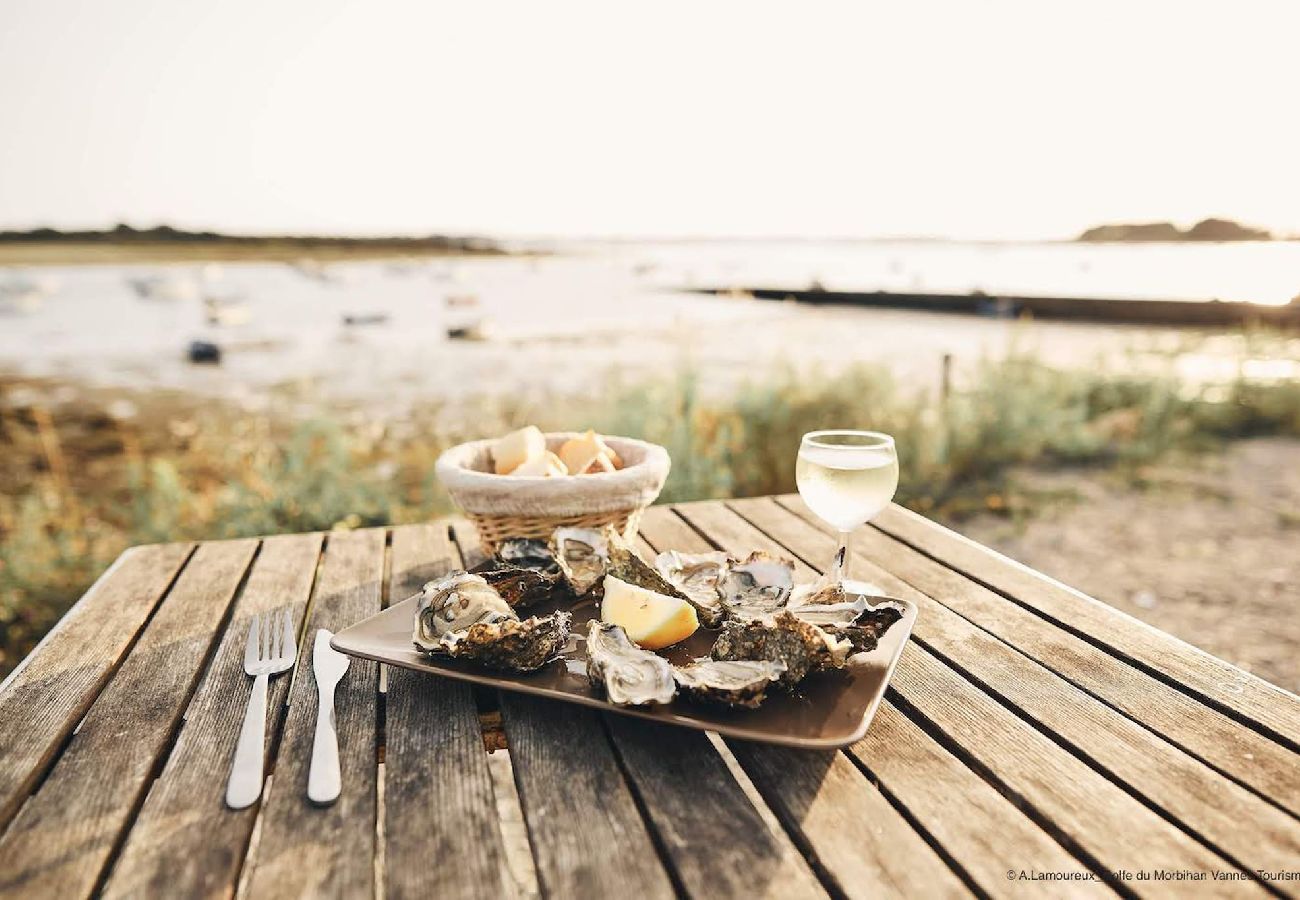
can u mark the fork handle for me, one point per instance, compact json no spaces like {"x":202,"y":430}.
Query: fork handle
{"x":245,"y":784}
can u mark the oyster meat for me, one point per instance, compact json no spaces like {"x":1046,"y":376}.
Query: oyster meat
{"x":737,"y":683}
{"x":454,"y":603}
{"x":782,"y":638}
{"x":757,"y":587}
{"x":463,"y":616}
{"x":826,"y":605}
{"x":582,"y":555}
{"x":629,"y":675}
{"x":697,"y":576}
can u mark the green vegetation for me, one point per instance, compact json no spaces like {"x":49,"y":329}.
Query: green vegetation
{"x":80,"y":486}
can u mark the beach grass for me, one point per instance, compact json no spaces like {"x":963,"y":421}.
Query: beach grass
{"x":83,"y":484}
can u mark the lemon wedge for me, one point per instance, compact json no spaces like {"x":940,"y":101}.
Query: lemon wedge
{"x":650,"y":620}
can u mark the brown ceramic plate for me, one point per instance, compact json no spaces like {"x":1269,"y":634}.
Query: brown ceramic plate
{"x":828,"y":709}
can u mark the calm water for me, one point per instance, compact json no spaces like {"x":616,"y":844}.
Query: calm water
{"x":572,"y":321}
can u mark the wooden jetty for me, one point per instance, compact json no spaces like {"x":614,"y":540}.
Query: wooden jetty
{"x":1094,"y":309}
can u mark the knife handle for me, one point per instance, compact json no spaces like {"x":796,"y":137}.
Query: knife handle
{"x":324,"y":780}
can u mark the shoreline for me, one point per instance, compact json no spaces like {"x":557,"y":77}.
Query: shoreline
{"x":102,"y":253}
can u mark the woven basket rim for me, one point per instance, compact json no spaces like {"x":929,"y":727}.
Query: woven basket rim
{"x":486,"y":493}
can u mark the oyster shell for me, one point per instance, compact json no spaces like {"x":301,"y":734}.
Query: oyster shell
{"x":782,"y":638}
{"x":865,"y":633}
{"x":629,"y":675}
{"x":626,"y":565}
{"x":582,"y":555}
{"x":512,"y":645}
{"x":463,"y":616}
{"x":697,"y":576}
{"x":826,"y":605}
{"x":528,"y":553}
{"x":519,"y":587}
{"x":758,"y":587}
{"x":738,"y":683}
{"x":454,"y":603}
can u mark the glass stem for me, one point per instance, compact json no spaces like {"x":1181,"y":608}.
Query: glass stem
{"x":840,"y":567}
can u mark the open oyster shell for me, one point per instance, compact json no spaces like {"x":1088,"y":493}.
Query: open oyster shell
{"x":737,"y":683}
{"x":859,"y":618}
{"x":697,"y":576}
{"x":454,"y":603}
{"x":629,"y":675}
{"x":782,"y":638}
{"x":626,"y":565}
{"x":528,"y":553}
{"x":463,"y":616}
{"x":758,"y":586}
{"x":865,"y":633}
{"x":582,"y":555}
{"x":519,"y":587}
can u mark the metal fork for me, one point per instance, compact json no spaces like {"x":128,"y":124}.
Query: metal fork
{"x":269,"y":650}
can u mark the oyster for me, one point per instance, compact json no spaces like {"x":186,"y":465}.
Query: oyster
{"x":757,"y":587}
{"x":519,"y":587}
{"x":826,"y":605}
{"x":463,"y":616}
{"x":629,"y":675}
{"x":454,"y":603}
{"x":697,"y":575}
{"x":865,"y":633}
{"x":741,"y":682}
{"x":626,"y":565}
{"x":582,"y":555}
{"x":512,"y":645}
{"x":528,"y":553}
{"x":782,"y":638}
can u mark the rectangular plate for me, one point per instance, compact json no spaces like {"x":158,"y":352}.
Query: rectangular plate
{"x":826,"y":710}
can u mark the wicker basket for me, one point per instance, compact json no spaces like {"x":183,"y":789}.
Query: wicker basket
{"x":505,"y":506}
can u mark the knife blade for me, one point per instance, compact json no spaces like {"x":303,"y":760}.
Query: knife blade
{"x":324,"y":779}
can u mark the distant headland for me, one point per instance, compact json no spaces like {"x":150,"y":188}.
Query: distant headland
{"x":167,"y":244}
{"x":1204,"y":230}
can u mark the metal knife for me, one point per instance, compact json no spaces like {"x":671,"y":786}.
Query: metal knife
{"x":325,"y":781}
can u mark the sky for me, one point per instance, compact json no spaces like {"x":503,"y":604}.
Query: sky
{"x":915,"y":117}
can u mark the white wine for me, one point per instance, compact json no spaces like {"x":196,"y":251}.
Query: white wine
{"x":846,"y":486}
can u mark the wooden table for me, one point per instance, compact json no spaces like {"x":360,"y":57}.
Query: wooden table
{"x":1034,"y":742}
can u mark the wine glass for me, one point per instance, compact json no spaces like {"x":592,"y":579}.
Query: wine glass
{"x":846,"y":477}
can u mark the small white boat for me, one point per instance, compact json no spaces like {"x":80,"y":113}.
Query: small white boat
{"x":167,"y":288}
{"x":21,"y":295}
{"x":226,"y":311}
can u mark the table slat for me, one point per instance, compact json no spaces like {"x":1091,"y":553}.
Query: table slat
{"x":43,"y":699}
{"x":305,"y":850}
{"x":587,"y":834}
{"x":981,"y":828}
{"x":1191,"y":668}
{"x":716,"y":841}
{"x":1032,"y":762}
{"x":1189,"y":790}
{"x":63,"y":837}
{"x":185,"y":842}
{"x":442,"y":833}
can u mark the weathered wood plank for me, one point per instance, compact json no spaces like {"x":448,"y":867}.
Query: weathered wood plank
{"x":62,"y":838}
{"x":857,"y":837}
{"x":306,"y":850}
{"x":43,"y":699}
{"x":824,"y":801}
{"x":1229,"y":746}
{"x":185,"y":842}
{"x":716,"y":841}
{"x":1246,"y":695}
{"x":441,"y":829}
{"x":587,"y":834}
{"x":968,"y":818}
{"x":1091,"y":810}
